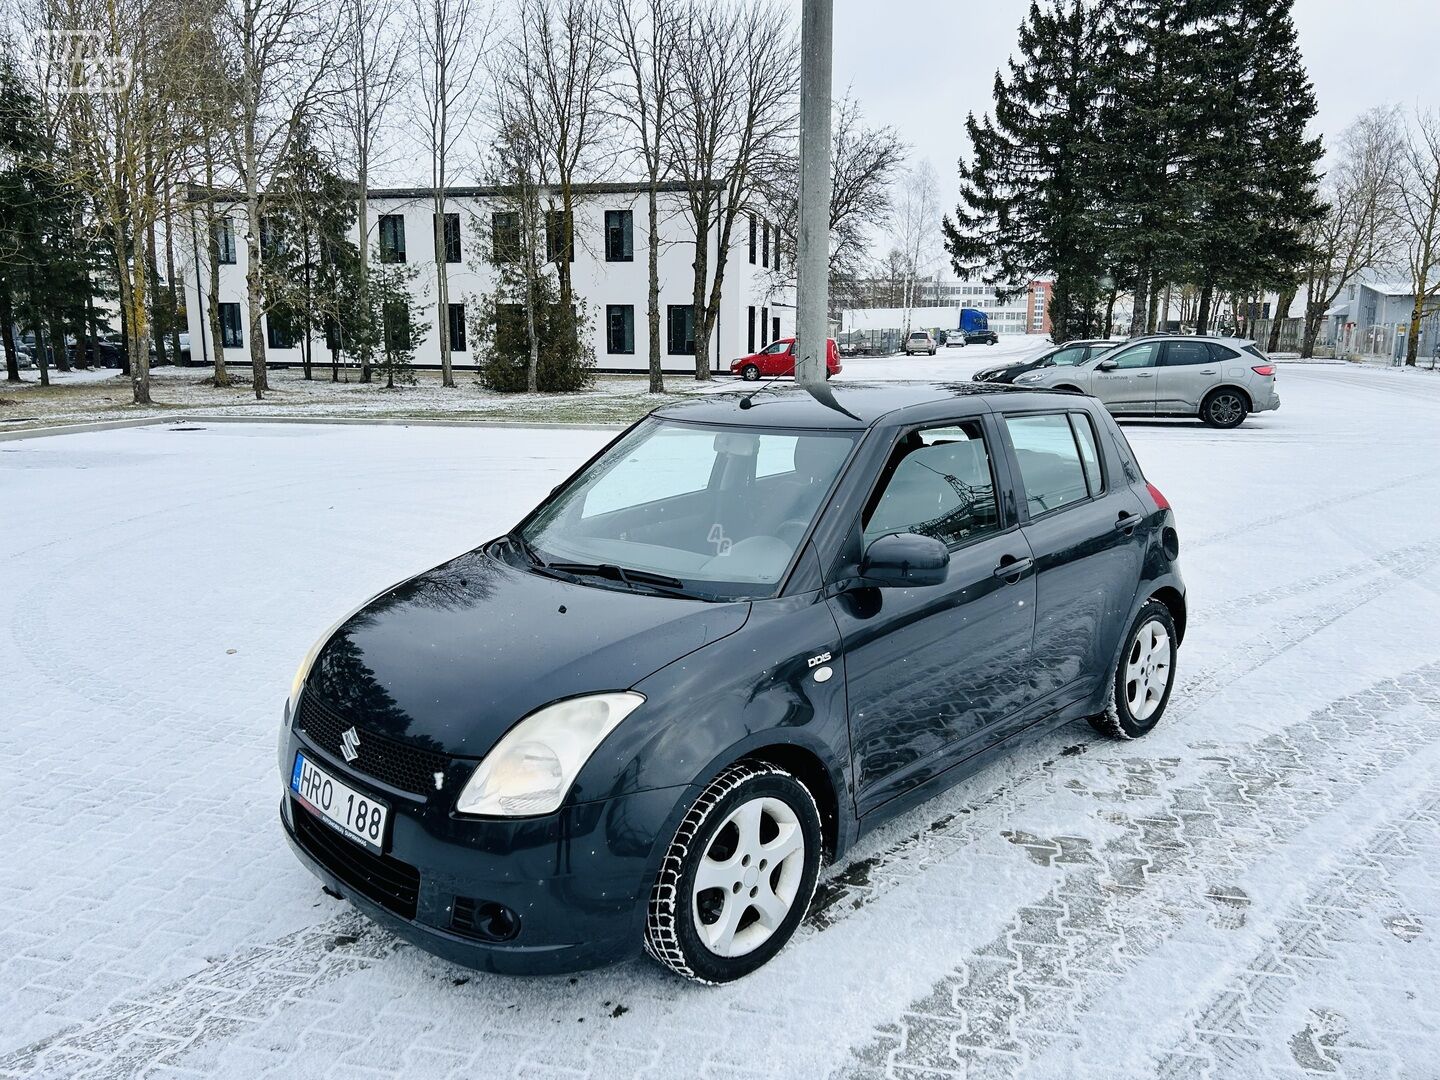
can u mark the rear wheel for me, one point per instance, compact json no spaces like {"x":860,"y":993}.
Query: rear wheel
{"x":738,"y":876}
{"x":1141,"y":683}
{"x":1224,"y":408}
{"x":750,"y":373}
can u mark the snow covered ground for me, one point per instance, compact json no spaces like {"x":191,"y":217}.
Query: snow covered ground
{"x":1254,"y":890}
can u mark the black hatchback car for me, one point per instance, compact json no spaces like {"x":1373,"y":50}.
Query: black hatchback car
{"x":747,"y":631}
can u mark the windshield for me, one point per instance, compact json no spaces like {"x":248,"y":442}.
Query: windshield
{"x":719,"y":511}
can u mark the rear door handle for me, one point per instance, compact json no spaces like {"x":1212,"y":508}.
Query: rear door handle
{"x":1207,"y":371}
{"x":1127,"y":523}
{"x":1012,"y":570}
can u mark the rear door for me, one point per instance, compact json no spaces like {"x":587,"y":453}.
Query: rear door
{"x":1083,"y":526}
{"x":1186,"y":371}
{"x":1128,"y":387}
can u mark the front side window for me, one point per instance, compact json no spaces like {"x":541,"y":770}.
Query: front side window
{"x":680,"y":327}
{"x":778,"y":348}
{"x":232,"y":332}
{"x":938,"y":482}
{"x":719,"y":509}
{"x":392,"y":238}
{"x":1139,"y":356}
{"x":619,"y":236}
{"x":1050,"y":467}
{"x":620,"y":328}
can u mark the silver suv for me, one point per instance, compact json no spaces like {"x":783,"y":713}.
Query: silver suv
{"x":1220,"y":380}
{"x":920,"y":341}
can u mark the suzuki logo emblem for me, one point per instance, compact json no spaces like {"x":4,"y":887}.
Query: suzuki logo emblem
{"x":350,"y":744}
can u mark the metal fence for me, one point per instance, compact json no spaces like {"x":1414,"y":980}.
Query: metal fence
{"x":1388,"y":341}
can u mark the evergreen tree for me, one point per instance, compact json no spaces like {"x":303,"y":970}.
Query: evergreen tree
{"x":1251,"y":173}
{"x":1030,"y":192}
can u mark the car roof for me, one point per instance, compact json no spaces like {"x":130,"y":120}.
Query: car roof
{"x":1219,"y":338}
{"x":850,"y":406}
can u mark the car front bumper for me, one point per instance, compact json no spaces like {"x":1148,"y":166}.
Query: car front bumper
{"x":578,"y":881}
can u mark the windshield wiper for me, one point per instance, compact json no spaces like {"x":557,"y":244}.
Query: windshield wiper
{"x":630,"y":578}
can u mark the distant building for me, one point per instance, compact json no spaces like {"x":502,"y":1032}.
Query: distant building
{"x":609,"y":268}
{"x":1373,"y":319}
{"x":1025,"y":311}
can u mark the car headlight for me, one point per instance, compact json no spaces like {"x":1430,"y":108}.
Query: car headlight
{"x":532,"y":767}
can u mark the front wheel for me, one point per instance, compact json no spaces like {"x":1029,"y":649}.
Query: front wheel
{"x":738,"y":876}
{"x":932,"y":352}
{"x":750,"y":373}
{"x":1141,"y":683}
{"x":1224,"y":408}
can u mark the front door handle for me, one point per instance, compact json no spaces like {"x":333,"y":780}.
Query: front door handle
{"x":1127,"y":523}
{"x":1011,"y":568}
{"x":1144,"y":375}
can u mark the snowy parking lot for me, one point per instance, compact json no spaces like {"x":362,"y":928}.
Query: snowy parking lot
{"x":1251,"y":891}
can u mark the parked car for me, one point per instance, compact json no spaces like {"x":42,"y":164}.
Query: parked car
{"x":1220,"y":380}
{"x":982,"y":337}
{"x":740,"y":637}
{"x":778,"y":358}
{"x":955,"y":339}
{"x":920,"y":341}
{"x":1067,"y":355}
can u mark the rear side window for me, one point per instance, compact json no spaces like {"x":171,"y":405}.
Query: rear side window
{"x":1220,"y":352}
{"x":937,"y":483}
{"x":1253,"y":351}
{"x":1186,"y":353}
{"x":1089,"y":454}
{"x":1049,"y":458}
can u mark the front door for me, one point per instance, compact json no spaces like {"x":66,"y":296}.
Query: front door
{"x":1128,"y":387}
{"x":1085,"y":531}
{"x":1186,"y":371}
{"x":932,"y":673}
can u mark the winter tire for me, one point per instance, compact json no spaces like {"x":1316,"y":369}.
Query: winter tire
{"x":1141,"y":683}
{"x":1224,"y":408}
{"x":738,"y":877}
{"x":750,"y":373}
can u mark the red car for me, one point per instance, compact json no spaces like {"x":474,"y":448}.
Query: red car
{"x":778,"y":358}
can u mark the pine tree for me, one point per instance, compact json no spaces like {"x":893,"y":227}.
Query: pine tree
{"x":1029,"y":192}
{"x":1251,"y":173}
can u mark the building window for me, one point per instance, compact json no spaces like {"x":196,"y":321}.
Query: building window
{"x":505,"y":236}
{"x":752,"y":238}
{"x":452,"y":238}
{"x":511,"y":333}
{"x":619,"y":236}
{"x":392,"y":238}
{"x":225,"y":240}
{"x":620,"y":328}
{"x":457,"y":328}
{"x":764,"y":327}
{"x":559,"y":237}
{"x":765,"y":243}
{"x":680,"y":321}
{"x":232,"y":331}
{"x":270,"y":240}
{"x":775,"y":256}
{"x":397,"y":326}
{"x":280,"y":329}
{"x":775,"y":328}
{"x":750,"y":333}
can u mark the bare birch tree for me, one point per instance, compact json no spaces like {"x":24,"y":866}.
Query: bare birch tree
{"x":285,"y":55}
{"x":736,"y":118}
{"x":450,"y":40}
{"x":644,"y":35}
{"x":1357,"y":230}
{"x":373,"y":79}
{"x":1417,"y":205}
{"x":917,"y":229}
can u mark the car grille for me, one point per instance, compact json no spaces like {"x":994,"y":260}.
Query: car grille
{"x":392,"y":884}
{"x":398,"y":764}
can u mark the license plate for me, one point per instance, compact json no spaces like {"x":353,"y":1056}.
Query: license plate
{"x":359,"y":816}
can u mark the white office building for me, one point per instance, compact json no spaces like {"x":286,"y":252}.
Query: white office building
{"x":609,"y":271}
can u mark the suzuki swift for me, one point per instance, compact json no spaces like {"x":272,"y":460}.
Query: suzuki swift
{"x":749,"y":630}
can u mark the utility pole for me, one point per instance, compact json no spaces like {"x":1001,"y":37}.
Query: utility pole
{"x":812,"y":260}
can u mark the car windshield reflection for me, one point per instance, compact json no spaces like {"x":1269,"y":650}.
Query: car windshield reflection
{"x":707,"y":511}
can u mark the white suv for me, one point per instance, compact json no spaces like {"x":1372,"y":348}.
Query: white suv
{"x":1220,"y":380}
{"x":920,"y":341}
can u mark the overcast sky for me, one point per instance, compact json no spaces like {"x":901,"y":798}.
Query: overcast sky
{"x":921,"y":65}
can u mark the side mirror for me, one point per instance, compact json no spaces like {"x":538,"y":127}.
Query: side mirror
{"x":1107,"y":365}
{"x":905,"y":560}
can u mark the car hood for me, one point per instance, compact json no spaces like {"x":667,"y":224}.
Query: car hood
{"x":452,"y":658}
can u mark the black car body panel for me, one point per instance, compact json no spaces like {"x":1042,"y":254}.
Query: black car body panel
{"x":923,"y":686}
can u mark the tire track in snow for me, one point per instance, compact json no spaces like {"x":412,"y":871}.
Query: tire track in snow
{"x":1021,"y":994}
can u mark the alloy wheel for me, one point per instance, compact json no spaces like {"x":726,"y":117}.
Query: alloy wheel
{"x":1226,"y":409}
{"x":1147,"y":670}
{"x":749,"y":877}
